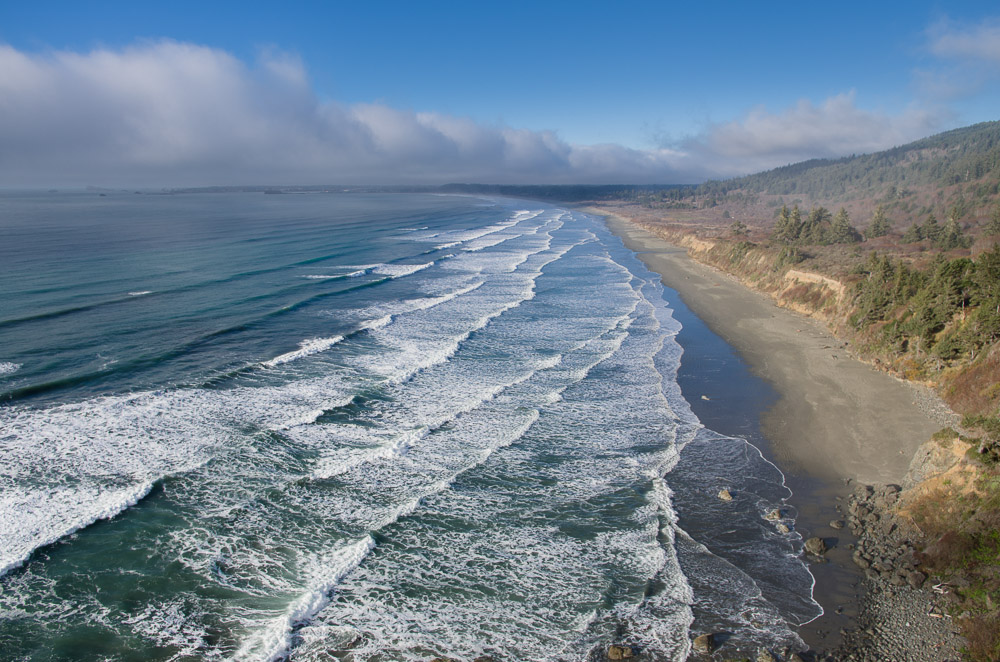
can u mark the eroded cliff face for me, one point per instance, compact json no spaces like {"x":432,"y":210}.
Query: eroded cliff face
{"x":803,"y":291}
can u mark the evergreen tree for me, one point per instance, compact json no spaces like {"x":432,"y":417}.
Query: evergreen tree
{"x":913,"y":234}
{"x":987,"y":275}
{"x":880,"y":268}
{"x":841,"y":230}
{"x":795,"y":223}
{"x":815,"y":228}
{"x":739,"y":228}
{"x":879,"y":226}
{"x":789,"y":226}
{"x":782,"y":226}
{"x":993,"y":228}
{"x":952,"y":235}
{"x":931,"y":229}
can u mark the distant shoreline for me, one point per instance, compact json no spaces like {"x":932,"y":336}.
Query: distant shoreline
{"x":836,"y":421}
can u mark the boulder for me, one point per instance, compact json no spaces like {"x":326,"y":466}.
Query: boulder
{"x":816,"y":546}
{"x":725,"y":495}
{"x":773,"y":516}
{"x":782,"y":528}
{"x":916,"y":579}
{"x":704,"y":643}
{"x":620,"y":652}
{"x":837,"y":524}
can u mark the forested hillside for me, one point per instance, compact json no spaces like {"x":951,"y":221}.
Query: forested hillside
{"x":969,"y":156}
{"x":953,"y":175}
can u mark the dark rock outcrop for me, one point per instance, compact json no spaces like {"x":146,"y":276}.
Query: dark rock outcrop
{"x":704,"y":643}
{"x":816,"y":546}
{"x":620,"y":652}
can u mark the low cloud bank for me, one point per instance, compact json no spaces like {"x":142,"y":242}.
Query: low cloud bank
{"x":837,"y":127}
{"x":170,"y":114}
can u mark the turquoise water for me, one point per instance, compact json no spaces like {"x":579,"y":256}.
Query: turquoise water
{"x":359,"y":426}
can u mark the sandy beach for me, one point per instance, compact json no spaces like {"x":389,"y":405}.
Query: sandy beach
{"x":836,"y":418}
{"x":826,"y":419}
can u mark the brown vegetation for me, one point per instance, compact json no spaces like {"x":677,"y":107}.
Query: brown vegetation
{"x":976,"y":387}
{"x":962,"y":523}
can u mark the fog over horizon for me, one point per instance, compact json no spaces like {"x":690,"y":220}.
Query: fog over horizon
{"x":167,"y":113}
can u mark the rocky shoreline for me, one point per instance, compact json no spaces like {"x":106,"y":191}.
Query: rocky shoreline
{"x":903,"y":616}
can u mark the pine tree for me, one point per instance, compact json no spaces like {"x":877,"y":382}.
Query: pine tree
{"x":879,"y":226}
{"x":739,"y":229}
{"x":913,"y":234}
{"x":931,"y":229}
{"x":815,"y":228}
{"x":841,"y":230}
{"x":782,"y":227}
{"x":952,"y":235}
{"x":795,"y":223}
{"x":993,"y":228}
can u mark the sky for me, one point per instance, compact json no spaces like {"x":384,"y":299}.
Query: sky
{"x":138,"y":94}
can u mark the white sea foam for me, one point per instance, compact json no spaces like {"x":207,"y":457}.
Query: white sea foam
{"x":317,"y":345}
{"x":552,"y":567}
{"x":91,"y":505}
{"x":8,"y":368}
{"x":352,"y":274}
{"x":115,"y":448}
{"x":397,"y":442}
{"x":400,"y":270}
{"x":455,"y":237}
{"x":140,"y":293}
{"x":274,"y":641}
{"x":379,"y":323}
{"x":306,"y":348}
{"x":149,"y":426}
{"x":170,"y":625}
{"x":310,"y":416}
{"x":387,"y":311}
{"x":483,"y":244}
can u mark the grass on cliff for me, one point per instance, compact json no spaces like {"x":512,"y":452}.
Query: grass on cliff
{"x":963,"y":530}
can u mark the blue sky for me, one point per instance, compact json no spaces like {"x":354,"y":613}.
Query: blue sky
{"x":428,"y":92}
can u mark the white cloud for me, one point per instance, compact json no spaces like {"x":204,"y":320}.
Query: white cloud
{"x":964,"y":41}
{"x":965,"y":66}
{"x":836,"y":127}
{"x":168,"y":113}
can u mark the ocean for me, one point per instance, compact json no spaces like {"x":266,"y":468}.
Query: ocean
{"x":360,"y":426}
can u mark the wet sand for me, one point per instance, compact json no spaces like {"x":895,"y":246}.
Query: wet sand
{"x":826,"y":419}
